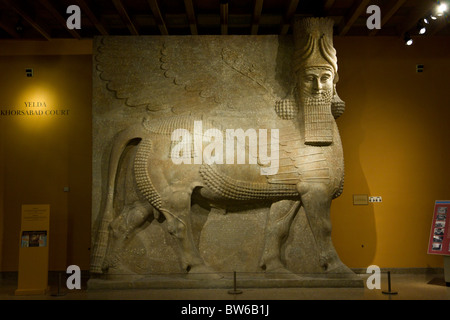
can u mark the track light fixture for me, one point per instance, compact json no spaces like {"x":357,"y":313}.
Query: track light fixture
{"x":441,"y":9}
{"x":408,"y":39}
{"x":421,"y":27}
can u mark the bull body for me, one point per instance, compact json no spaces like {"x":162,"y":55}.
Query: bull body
{"x":308,"y":176}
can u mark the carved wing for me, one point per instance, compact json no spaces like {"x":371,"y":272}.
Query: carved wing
{"x":185,"y":74}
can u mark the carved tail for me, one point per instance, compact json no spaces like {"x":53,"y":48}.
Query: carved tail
{"x":107,"y":214}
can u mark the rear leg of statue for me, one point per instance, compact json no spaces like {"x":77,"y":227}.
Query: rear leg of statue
{"x":122,"y":229}
{"x":316,"y":200}
{"x":177,"y":211}
{"x":278,"y":224}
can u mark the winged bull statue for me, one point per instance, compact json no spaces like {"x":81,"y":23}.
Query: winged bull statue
{"x":306,"y":167}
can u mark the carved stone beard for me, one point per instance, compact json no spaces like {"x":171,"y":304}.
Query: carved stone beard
{"x":318,"y":118}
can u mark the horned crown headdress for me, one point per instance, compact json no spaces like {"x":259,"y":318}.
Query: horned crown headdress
{"x":313,"y":40}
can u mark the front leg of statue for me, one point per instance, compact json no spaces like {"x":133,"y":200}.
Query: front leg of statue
{"x":278,"y":224}
{"x":316,"y":200}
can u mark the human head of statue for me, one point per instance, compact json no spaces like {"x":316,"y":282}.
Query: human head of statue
{"x":315,"y":70}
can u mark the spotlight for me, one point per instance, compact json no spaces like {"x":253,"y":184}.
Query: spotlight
{"x":408,"y":39}
{"x":421,"y":27}
{"x":430,"y":16}
{"x":441,"y":9}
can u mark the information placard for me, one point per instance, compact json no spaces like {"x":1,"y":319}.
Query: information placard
{"x":439,"y":242}
{"x":33,"y":250}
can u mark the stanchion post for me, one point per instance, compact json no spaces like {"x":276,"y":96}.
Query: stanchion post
{"x":58,"y":294}
{"x":234,"y":291}
{"x":389,"y":285}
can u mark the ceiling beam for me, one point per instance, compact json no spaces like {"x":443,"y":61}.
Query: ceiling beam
{"x":125,"y":17}
{"x":7,"y":27}
{"x":387,"y":14}
{"x":190,"y":12}
{"x":287,"y":18}
{"x":257,"y":9}
{"x":328,"y":4}
{"x":90,"y":14}
{"x":417,"y":12}
{"x":158,"y":17}
{"x":13,"y":33}
{"x":55,"y":13}
{"x":224,"y":17}
{"x":359,"y":7}
{"x":28,"y":19}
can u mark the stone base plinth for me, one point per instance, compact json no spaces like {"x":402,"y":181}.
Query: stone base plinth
{"x":244,"y":280}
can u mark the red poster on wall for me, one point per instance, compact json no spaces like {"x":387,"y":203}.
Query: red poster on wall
{"x":440,"y":231}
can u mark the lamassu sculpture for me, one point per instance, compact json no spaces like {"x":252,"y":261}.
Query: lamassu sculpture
{"x":231,"y":125}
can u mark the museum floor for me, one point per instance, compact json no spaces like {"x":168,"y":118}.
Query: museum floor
{"x":409,"y":286}
{"x":414,"y":292}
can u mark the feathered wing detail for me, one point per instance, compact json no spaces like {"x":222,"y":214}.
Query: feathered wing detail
{"x":183,"y":74}
{"x":184,"y":65}
{"x":130,"y":74}
{"x":246,"y":68}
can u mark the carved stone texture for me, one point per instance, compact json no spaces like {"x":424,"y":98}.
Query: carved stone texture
{"x":172,"y":197}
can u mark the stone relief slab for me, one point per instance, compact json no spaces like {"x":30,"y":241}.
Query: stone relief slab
{"x":171,"y":195}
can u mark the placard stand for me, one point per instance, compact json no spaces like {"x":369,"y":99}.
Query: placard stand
{"x":439,"y":242}
{"x":447,"y":270}
{"x":33,"y":250}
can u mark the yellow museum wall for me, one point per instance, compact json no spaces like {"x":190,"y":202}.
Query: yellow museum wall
{"x":394,"y":132}
{"x":40,"y":155}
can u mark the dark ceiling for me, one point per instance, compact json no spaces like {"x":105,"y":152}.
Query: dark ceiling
{"x":46,"y":19}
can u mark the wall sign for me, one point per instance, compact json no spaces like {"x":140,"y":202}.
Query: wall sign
{"x":439,"y":242}
{"x":34,"y":108}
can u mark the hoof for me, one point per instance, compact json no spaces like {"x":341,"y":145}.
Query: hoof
{"x":202,"y":272}
{"x":339,"y":268}
{"x":280,"y":273}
